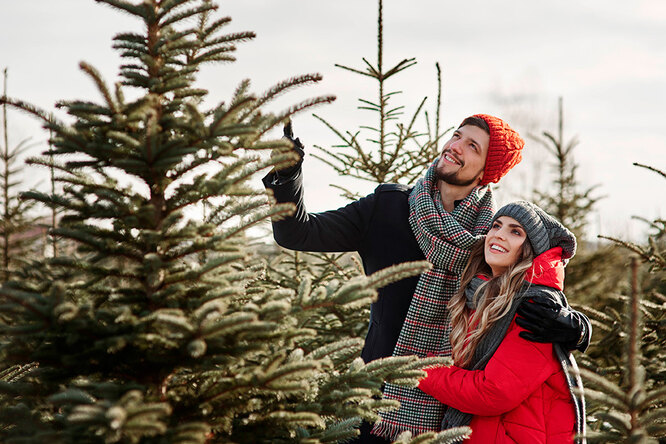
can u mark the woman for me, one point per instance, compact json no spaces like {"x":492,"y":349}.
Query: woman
{"x":506,"y":388}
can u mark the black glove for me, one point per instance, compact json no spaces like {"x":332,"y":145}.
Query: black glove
{"x":298,"y":147}
{"x":548,"y":321}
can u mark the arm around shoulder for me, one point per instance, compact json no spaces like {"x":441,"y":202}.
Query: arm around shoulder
{"x":547,"y":317}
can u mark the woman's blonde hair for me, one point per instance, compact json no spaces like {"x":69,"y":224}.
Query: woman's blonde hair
{"x":492,"y":300}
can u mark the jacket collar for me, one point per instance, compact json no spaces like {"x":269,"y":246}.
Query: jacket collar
{"x":547,"y":269}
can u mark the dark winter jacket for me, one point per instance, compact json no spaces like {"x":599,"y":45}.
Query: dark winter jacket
{"x":377,"y":227}
{"x":524,"y":394}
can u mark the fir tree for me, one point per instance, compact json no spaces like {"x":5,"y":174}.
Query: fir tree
{"x":19,"y":228}
{"x":303,"y":272}
{"x":54,"y":211}
{"x":568,"y":204}
{"x":591,"y":275}
{"x":158,"y":327}
{"x":400,"y":154}
{"x":625,"y":364}
{"x":627,"y":401}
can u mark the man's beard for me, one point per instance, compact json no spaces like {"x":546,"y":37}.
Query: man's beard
{"x":453,"y":179}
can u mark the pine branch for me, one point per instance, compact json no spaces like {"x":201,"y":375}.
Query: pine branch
{"x":101,"y":85}
{"x":138,"y":11}
{"x":168,"y":17}
{"x":30,"y":109}
{"x":656,"y":170}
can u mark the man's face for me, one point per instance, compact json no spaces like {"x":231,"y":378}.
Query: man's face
{"x":464,"y":157}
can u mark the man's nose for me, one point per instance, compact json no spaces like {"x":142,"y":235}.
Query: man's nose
{"x":456,"y":146}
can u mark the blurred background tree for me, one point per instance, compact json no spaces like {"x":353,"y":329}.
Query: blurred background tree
{"x":625,"y":367}
{"x":392,"y":150}
{"x":592,"y":273}
{"x":22,"y":237}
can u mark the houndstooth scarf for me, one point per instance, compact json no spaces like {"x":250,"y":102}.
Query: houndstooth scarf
{"x":445,"y":239}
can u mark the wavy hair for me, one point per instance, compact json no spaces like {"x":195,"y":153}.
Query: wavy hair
{"x":492,"y":301}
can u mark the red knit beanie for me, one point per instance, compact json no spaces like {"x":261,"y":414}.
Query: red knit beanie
{"x":504,"y":150}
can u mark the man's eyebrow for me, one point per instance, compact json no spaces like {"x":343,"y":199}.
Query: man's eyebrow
{"x":457,"y":132}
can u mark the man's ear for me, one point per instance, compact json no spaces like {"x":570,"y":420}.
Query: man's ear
{"x":480,"y":178}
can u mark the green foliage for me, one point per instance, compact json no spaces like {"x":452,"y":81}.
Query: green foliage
{"x":654,"y":253}
{"x":592,"y":277}
{"x":19,"y":227}
{"x":401,"y":154}
{"x":592,"y":273}
{"x":568,"y":204}
{"x":157,"y":326}
{"x":624,"y":368}
{"x":311,"y":278}
{"x":448,"y":436}
{"x":632,"y":409}
{"x":398,"y":154}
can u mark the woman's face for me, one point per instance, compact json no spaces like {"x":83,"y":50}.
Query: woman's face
{"x":504,"y":243}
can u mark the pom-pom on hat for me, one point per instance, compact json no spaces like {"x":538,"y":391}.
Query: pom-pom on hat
{"x":543,"y":230}
{"x":504,"y":150}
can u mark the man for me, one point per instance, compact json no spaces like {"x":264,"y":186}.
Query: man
{"x":438,"y":219}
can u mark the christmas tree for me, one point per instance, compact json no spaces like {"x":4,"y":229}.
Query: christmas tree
{"x":398,"y":153}
{"x":569,"y":204}
{"x":591,"y":273}
{"x":160,"y":326}
{"x":624,"y":368}
{"x":20,"y":230}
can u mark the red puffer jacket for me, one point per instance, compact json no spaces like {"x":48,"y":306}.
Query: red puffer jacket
{"x":522,"y":395}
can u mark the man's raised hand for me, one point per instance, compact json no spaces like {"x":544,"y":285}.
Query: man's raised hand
{"x":298,"y":148}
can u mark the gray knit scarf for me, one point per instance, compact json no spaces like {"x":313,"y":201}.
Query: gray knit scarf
{"x":445,"y":239}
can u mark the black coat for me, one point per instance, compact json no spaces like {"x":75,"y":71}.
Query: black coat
{"x":377,"y":227}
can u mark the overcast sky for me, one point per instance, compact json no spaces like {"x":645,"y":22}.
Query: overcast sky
{"x":607,"y":59}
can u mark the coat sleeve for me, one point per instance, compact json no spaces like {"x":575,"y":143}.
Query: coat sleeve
{"x":516,"y":370}
{"x":584,"y":343}
{"x":336,"y":230}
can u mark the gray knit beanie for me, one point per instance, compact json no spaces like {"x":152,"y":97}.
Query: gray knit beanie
{"x":543,"y":231}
